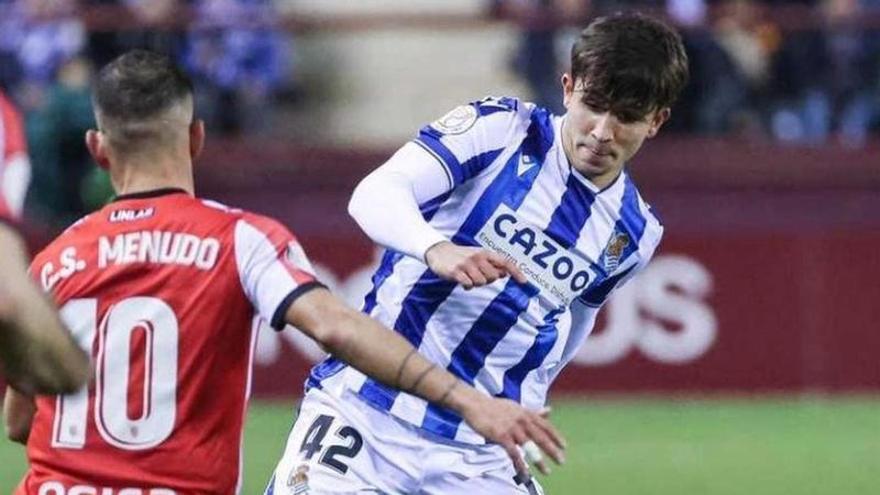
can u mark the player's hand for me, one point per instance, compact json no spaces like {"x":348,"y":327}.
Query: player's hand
{"x":510,"y":425}
{"x":470,"y":266}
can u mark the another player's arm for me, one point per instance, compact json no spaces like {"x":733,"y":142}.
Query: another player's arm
{"x":37,"y":354}
{"x":385,"y":205}
{"x":387,"y":357}
{"x":18,"y":414}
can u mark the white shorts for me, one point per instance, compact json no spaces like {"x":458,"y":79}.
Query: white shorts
{"x":346,"y":446}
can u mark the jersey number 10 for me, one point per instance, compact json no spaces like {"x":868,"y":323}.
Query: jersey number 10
{"x":112,"y":374}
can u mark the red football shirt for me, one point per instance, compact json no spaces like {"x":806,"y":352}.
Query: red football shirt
{"x":14,"y":166}
{"x":165,"y":290}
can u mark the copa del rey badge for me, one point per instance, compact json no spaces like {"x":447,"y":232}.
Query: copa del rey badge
{"x":456,"y":121}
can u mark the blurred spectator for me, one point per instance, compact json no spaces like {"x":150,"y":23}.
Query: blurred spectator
{"x":43,"y":41}
{"x":538,"y":59}
{"x":739,"y":68}
{"x":825,"y":76}
{"x":61,"y":163}
{"x":37,"y":37}
{"x":158,"y":29}
{"x":239,"y":57}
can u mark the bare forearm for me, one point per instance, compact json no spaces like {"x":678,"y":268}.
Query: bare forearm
{"x":389,"y":358}
{"x":377,"y":351}
{"x":37,"y":353}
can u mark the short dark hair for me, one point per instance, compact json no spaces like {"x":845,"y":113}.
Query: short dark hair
{"x":138,"y":85}
{"x":629,"y":64}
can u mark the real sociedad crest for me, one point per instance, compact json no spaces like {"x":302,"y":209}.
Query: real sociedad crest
{"x":457,"y":121}
{"x":614,"y":250}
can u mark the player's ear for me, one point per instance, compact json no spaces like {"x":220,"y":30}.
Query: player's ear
{"x":97,"y":148}
{"x":567,"y":89}
{"x":659,"y":118}
{"x":196,"y":138}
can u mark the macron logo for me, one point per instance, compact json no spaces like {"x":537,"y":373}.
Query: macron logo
{"x":526,"y":163}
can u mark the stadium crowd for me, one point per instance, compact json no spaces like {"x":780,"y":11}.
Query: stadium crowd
{"x":799,"y":71}
{"x":804,"y":72}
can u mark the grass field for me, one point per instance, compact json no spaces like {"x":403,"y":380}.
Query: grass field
{"x":658,"y":447}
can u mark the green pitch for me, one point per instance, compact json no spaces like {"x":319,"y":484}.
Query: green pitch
{"x":657,"y":447}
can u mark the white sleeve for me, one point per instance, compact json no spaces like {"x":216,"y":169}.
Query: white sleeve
{"x":272,"y":267}
{"x":386,"y":202}
{"x":14,"y":180}
{"x":446,"y":153}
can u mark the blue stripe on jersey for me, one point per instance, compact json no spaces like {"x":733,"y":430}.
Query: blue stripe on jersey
{"x":430,"y":291}
{"x":544,"y":341}
{"x":386,"y":267}
{"x":571,"y":214}
{"x":470,"y":355}
{"x":419,"y":305}
{"x":631,"y":218}
{"x":490,"y":105}
{"x":501,"y":314}
{"x":270,"y":489}
{"x":484,"y":110}
{"x":461,"y":172}
{"x":596,"y":293}
{"x":430,"y":207}
{"x":630,"y":221}
{"x":323,"y":370}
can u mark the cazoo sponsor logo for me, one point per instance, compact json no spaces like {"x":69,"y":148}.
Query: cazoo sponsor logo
{"x":672,"y":289}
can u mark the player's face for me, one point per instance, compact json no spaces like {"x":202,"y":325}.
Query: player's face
{"x":598,"y":142}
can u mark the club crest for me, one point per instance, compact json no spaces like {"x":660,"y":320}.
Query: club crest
{"x":299,"y":480}
{"x":614,"y":250}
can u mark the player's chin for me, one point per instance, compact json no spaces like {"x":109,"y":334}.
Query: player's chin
{"x":595,"y":165}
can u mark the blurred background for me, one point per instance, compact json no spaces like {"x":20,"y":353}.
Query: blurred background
{"x":746,"y":357}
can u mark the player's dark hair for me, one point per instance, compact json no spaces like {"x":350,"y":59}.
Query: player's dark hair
{"x":140,"y":84}
{"x":629,"y":64}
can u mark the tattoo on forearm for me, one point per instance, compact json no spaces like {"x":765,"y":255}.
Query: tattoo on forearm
{"x":448,"y":391}
{"x":421,"y":377}
{"x":402,"y":367}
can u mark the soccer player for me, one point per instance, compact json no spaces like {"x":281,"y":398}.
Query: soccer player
{"x":164,"y":289}
{"x":490,"y":183}
{"x":36,"y":353}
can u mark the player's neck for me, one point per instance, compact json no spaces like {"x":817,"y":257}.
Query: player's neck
{"x":130,"y":178}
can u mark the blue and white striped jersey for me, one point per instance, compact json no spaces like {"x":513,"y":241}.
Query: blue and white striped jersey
{"x":512,"y":191}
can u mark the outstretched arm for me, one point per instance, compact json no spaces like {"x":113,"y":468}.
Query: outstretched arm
{"x":387,"y":357}
{"x":386,"y":206}
{"x":37,"y":354}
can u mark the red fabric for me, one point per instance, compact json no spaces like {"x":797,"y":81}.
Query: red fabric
{"x":214,"y":350}
{"x":12,"y":142}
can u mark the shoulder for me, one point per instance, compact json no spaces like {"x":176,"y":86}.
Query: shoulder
{"x":652,"y":230}
{"x":253,"y":231}
{"x":265,"y":224}
{"x":77,"y":231}
{"x":490,"y":113}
